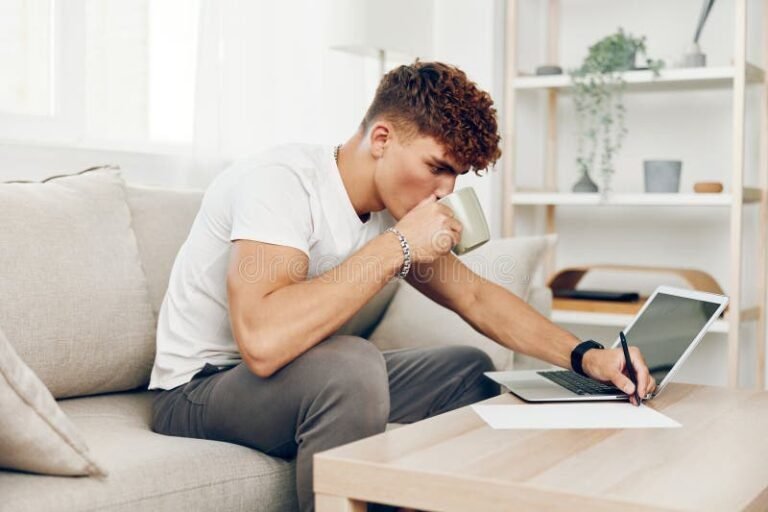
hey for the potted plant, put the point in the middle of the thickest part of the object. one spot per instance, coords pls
(598, 100)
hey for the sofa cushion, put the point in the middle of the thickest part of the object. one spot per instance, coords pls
(35, 435)
(162, 219)
(540, 299)
(367, 318)
(414, 320)
(74, 297)
(149, 471)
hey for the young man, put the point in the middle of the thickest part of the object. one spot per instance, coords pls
(288, 245)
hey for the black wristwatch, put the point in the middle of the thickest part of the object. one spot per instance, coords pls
(577, 354)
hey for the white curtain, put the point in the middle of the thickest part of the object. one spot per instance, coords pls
(265, 76)
(213, 80)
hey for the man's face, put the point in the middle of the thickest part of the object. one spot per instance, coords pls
(408, 172)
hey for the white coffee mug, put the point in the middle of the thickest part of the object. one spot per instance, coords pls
(467, 210)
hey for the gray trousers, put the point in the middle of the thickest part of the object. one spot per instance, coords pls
(341, 390)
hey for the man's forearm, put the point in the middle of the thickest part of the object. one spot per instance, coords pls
(508, 320)
(303, 314)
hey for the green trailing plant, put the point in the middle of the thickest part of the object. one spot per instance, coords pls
(599, 103)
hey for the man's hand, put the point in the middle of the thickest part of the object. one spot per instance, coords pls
(431, 230)
(609, 365)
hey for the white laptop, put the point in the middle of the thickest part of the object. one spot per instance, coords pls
(666, 330)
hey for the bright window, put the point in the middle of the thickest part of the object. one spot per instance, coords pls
(26, 59)
(98, 73)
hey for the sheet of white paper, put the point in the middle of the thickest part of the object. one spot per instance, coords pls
(572, 416)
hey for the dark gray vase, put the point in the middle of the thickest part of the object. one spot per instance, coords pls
(585, 184)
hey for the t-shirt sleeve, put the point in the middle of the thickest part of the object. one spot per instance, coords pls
(271, 205)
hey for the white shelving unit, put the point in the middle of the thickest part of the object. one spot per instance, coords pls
(574, 317)
(621, 320)
(736, 79)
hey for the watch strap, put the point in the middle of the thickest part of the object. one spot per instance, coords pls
(577, 355)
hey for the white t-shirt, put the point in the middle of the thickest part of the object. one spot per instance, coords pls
(290, 195)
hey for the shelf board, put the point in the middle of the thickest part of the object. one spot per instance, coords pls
(561, 316)
(668, 79)
(750, 195)
(612, 319)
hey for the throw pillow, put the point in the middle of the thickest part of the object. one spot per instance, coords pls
(35, 435)
(75, 302)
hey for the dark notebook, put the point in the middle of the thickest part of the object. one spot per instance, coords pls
(597, 295)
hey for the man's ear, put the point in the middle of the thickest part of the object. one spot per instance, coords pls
(380, 136)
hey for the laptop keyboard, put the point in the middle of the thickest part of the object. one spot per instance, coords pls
(579, 384)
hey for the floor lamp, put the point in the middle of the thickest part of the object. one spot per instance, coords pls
(401, 29)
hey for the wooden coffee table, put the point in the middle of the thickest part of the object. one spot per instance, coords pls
(718, 460)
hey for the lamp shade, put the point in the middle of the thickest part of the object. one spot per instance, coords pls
(401, 28)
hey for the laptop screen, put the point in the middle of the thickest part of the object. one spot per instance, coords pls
(666, 328)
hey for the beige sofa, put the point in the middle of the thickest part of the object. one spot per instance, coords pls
(90, 339)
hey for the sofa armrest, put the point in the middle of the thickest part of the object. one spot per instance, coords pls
(540, 299)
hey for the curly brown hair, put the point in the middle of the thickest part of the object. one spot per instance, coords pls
(438, 100)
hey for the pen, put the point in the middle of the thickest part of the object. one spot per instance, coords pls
(630, 368)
